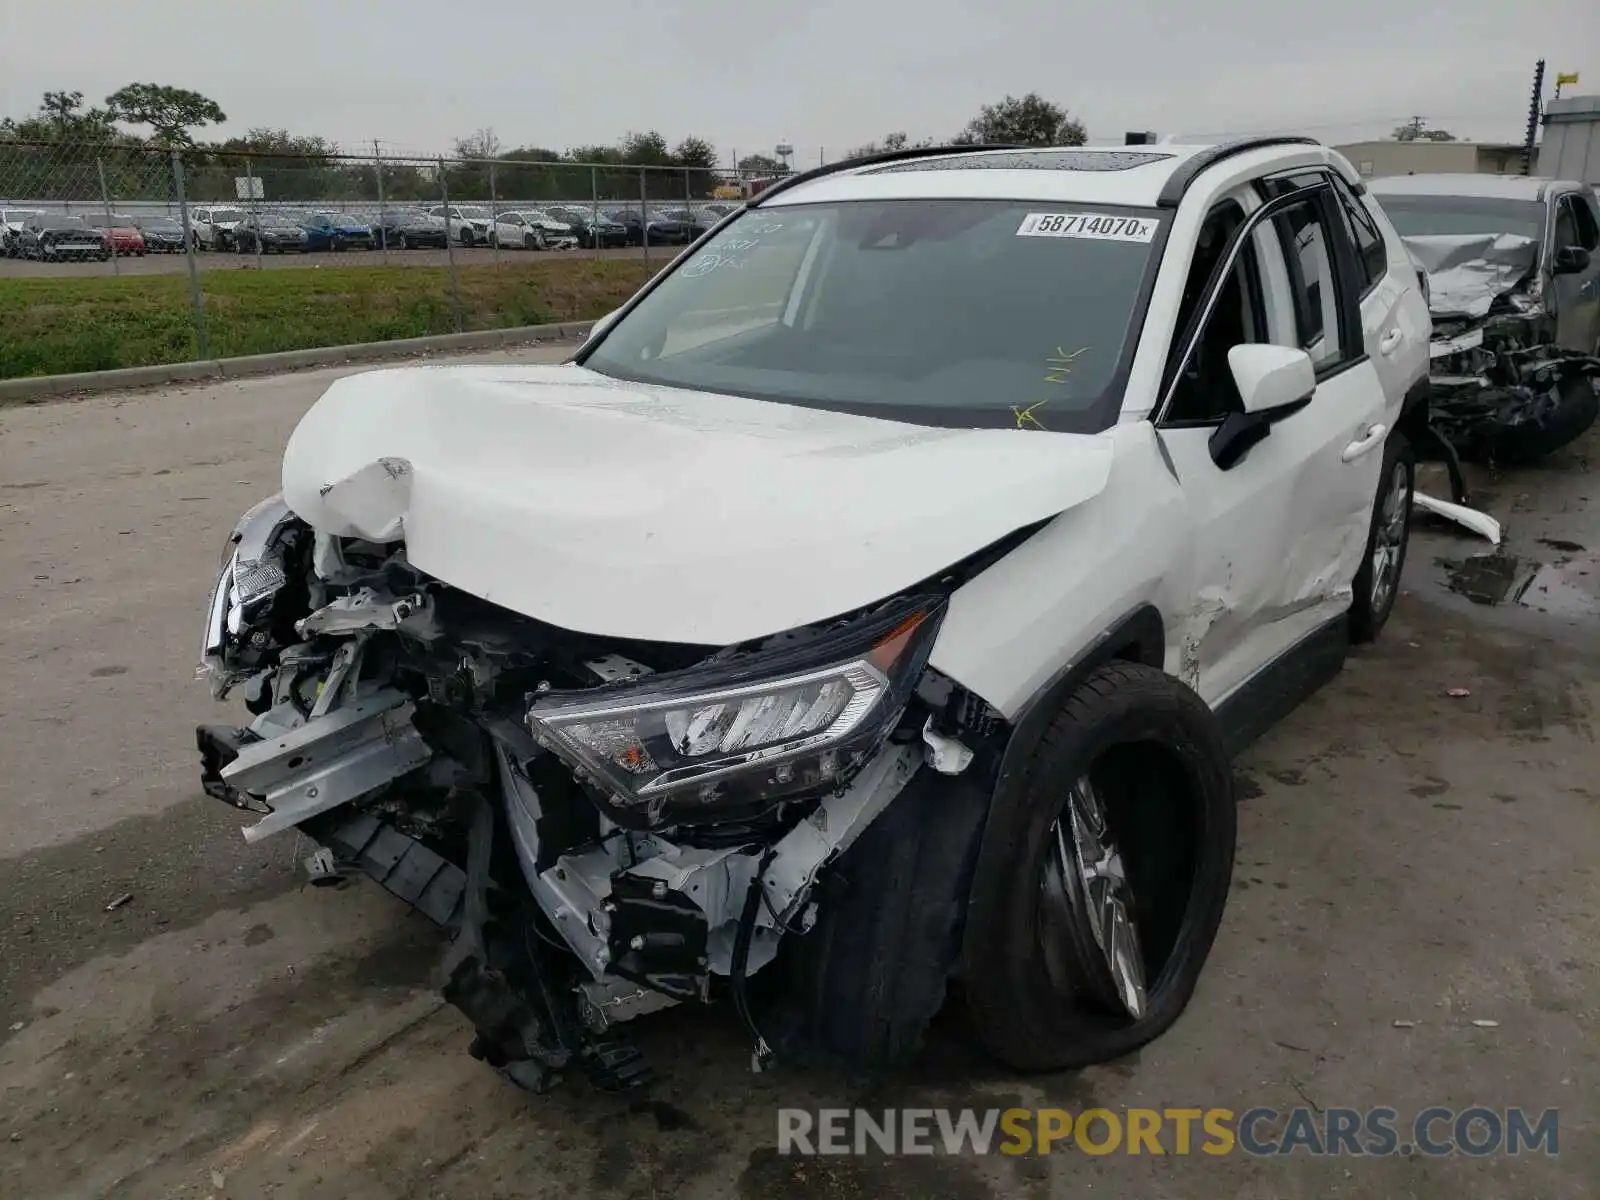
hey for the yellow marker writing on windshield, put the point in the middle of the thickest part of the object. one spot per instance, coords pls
(1025, 416)
(1061, 364)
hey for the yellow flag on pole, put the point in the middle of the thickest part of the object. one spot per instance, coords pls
(1563, 80)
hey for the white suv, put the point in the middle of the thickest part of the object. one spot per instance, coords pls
(883, 590)
(468, 224)
(212, 226)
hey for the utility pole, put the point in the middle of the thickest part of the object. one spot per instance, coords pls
(1533, 118)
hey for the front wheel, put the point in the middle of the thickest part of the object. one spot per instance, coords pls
(1103, 875)
(1377, 582)
(466, 236)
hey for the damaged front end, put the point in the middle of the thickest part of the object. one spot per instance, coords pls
(1501, 388)
(603, 828)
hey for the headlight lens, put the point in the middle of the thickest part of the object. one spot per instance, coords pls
(772, 726)
(252, 574)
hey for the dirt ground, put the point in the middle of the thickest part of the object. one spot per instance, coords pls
(1406, 855)
(177, 264)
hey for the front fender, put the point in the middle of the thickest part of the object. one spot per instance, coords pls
(1039, 610)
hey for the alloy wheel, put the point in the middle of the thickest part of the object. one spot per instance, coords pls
(1389, 538)
(1087, 884)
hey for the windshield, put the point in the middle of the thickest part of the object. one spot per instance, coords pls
(1421, 216)
(162, 225)
(273, 221)
(942, 312)
(474, 214)
(54, 222)
(222, 216)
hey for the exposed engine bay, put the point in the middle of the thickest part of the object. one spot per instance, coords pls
(1502, 389)
(602, 827)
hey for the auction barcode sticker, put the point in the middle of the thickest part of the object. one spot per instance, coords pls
(1102, 226)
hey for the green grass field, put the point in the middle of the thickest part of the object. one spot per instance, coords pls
(54, 326)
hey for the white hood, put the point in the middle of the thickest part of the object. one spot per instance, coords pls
(656, 513)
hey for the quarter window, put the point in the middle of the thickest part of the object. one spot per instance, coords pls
(1372, 256)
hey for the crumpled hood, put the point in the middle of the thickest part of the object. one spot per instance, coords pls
(657, 513)
(1467, 272)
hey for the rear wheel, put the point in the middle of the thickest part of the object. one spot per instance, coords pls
(1377, 582)
(1103, 877)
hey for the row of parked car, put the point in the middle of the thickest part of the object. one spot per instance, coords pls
(48, 236)
(61, 237)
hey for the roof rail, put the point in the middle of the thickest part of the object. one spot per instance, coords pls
(1178, 182)
(886, 156)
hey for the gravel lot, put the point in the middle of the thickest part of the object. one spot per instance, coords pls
(177, 264)
(1405, 855)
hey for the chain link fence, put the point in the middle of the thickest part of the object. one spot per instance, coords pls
(475, 226)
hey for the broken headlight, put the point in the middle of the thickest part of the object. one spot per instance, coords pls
(253, 572)
(755, 729)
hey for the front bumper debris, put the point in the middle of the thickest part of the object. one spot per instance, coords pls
(1521, 404)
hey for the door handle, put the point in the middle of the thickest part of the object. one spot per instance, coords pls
(1371, 439)
(1389, 342)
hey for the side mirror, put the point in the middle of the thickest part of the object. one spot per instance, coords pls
(1570, 260)
(1273, 383)
(1270, 378)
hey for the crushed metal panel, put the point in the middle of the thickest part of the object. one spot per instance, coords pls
(370, 503)
(1467, 273)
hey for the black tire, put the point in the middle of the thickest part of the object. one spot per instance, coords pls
(405, 242)
(1155, 753)
(1387, 541)
(466, 238)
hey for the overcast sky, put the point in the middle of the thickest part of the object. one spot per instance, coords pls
(823, 75)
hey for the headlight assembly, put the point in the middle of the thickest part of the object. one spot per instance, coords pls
(755, 730)
(252, 574)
